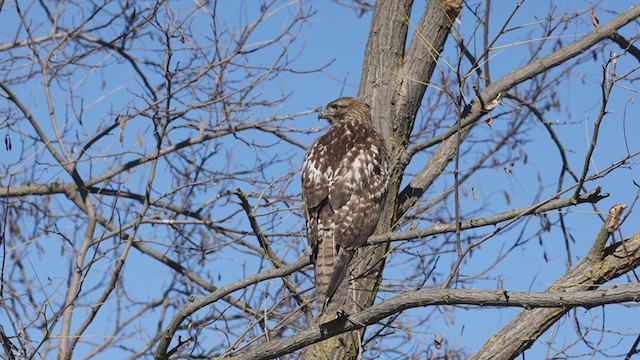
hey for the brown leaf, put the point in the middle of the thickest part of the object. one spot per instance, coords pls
(489, 120)
(437, 342)
(123, 123)
(507, 197)
(594, 18)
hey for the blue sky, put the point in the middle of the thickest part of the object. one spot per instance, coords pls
(335, 36)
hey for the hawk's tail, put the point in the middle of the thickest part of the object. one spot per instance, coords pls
(340, 270)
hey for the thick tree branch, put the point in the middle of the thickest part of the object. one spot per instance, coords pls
(545, 301)
(383, 58)
(529, 325)
(625, 45)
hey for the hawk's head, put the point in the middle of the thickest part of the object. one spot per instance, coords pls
(346, 108)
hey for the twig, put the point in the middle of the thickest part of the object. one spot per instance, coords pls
(625, 45)
(178, 345)
(7, 345)
(607, 86)
(634, 349)
(264, 242)
(197, 304)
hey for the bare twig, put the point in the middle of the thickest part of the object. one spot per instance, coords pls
(264, 243)
(197, 304)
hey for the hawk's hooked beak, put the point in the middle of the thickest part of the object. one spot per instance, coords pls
(325, 114)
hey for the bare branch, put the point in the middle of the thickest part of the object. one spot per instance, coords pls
(196, 304)
(522, 331)
(546, 301)
(445, 152)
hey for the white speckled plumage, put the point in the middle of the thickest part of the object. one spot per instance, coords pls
(344, 185)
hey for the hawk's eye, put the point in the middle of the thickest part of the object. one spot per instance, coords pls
(333, 106)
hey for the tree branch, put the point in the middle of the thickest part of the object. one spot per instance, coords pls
(529, 300)
(592, 196)
(475, 110)
(196, 304)
(529, 325)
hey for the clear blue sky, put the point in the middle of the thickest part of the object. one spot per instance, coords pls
(336, 36)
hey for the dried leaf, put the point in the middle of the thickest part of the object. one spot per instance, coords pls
(437, 342)
(493, 103)
(7, 142)
(475, 194)
(525, 157)
(594, 18)
(15, 229)
(140, 141)
(489, 120)
(507, 197)
(123, 123)
(546, 224)
(508, 170)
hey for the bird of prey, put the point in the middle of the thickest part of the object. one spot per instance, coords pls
(345, 179)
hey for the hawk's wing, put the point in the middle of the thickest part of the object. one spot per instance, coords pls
(359, 189)
(356, 195)
(344, 182)
(316, 180)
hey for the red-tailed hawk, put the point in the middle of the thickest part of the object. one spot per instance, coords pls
(344, 185)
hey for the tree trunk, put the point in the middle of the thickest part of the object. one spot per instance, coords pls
(393, 83)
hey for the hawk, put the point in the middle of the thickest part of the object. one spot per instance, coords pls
(345, 177)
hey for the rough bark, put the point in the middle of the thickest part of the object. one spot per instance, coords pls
(393, 83)
(589, 274)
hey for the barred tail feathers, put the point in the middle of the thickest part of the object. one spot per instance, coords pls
(324, 263)
(340, 271)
